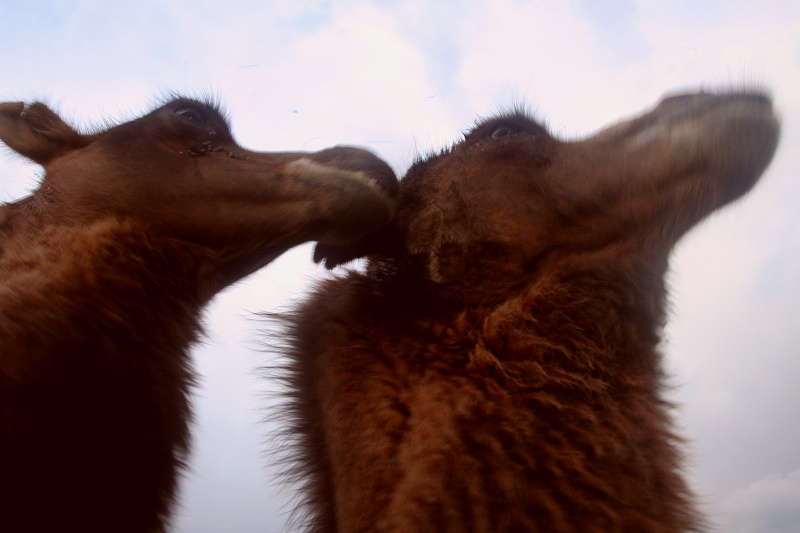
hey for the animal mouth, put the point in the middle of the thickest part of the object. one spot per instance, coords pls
(327, 173)
(687, 118)
(343, 166)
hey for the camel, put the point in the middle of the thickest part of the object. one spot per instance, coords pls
(104, 272)
(496, 367)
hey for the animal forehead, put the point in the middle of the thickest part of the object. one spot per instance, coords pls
(211, 110)
(204, 110)
(209, 104)
(181, 111)
(517, 120)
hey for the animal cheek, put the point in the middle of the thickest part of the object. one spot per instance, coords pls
(440, 245)
(421, 234)
(447, 262)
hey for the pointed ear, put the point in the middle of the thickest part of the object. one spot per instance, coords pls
(36, 132)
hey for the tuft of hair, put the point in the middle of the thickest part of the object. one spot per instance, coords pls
(282, 416)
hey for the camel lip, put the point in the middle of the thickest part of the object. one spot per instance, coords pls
(680, 109)
(349, 162)
(329, 173)
(728, 131)
(755, 107)
(701, 101)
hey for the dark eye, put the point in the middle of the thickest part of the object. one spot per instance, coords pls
(502, 131)
(189, 113)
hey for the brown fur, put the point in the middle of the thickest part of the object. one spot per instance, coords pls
(496, 369)
(104, 271)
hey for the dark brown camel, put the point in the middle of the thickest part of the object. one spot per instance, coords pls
(497, 367)
(104, 271)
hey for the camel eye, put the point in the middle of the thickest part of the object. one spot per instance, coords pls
(502, 131)
(189, 113)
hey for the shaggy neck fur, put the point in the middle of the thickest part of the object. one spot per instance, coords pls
(120, 308)
(561, 376)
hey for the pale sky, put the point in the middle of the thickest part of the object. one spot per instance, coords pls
(406, 77)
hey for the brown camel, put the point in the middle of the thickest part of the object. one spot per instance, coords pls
(104, 272)
(496, 369)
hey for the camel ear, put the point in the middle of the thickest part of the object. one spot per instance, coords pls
(36, 132)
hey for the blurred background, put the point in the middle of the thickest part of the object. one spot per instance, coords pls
(404, 78)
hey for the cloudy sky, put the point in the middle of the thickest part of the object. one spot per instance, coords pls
(404, 77)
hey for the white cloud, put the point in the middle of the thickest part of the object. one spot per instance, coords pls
(358, 66)
(770, 505)
(406, 76)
